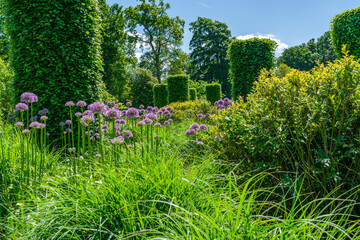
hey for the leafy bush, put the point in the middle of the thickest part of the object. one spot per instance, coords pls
(192, 94)
(141, 85)
(5, 89)
(305, 122)
(190, 109)
(200, 87)
(213, 92)
(247, 58)
(160, 95)
(178, 88)
(345, 30)
(55, 49)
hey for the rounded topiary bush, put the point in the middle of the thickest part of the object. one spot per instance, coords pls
(247, 58)
(160, 95)
(178, 88)
(213, 92)
(192, 94)
(345, 30)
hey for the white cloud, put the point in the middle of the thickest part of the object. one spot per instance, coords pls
(138, 55)
(204, 5)
(280, 48)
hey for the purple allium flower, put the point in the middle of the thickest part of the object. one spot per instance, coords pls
(170, 120)
(203, 127)
(117, 127)
(68, 122)
(64, 132)
(148, 120)
(118, 140)
(33, 124)
(200, 143)
(26, 131)
(85, 124)
(21, 107)
(117, 132)
(200, 115)
(44, 111)
(149, 108)
(97, 107)
(88, 113)
(220, 102)
(97, 135)
(132, 113)
(128, 104)
(157, 124)
(152, 116)
(86, 132)
(105, 126)
(78, 114)
(1, 132)
(68, 130)
(140, 124)
(87, 119)
(92, 138)
(141, 106)
(122, 122)
(113, 113)
(142, 111)
(47, 134)
(69, 104)
(111, 103)
(98, 155)
(81, 104)
(207, 115)
(44, 118)
(127, 133)
(167, 114)
(162, 110)
(156, 137)
(19, 124)
(28, 97)
(190, 132)
(169, 109)
(166, 123)
(105, 131)
(62, 124)
(155, 109)
(34, 119)
(195, 126)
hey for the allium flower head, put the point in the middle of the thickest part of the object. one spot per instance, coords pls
(157, 124)
(156, 137)
(69, 104)
(190, 132)
(33, 124)
(98, 155)
(140, 124)
(97, 135)
(44, 111)
(128, 104)
(81, 104)
(97, 107)
(87, 119)
(141, 106)
(68, 130)
(113, 113)
(127, 133)
(200, 143)
(62, 124)
(152, 116)
(148, 120)
(207, 115)
(68, 122)
(166, 123)
(44, 118)
(41, 126)
(155, 109)
(167, 114)
(118, 140)
(200, 115)
(149, 108)
(132, 113)
(162, 110)
(105, 126)
(88, 113)
(19, 124)
(120, 121)
(169, 109)
(28, 97)
(203, 127)
(111, 103)
(26, 131)
(21, 107)
(195, 126)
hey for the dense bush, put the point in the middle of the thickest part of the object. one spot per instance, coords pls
(305, 122)
(191, 109)
(178, 88)
(247, 58)
(141, 85)
(213, 92)
(345, 30)
(55, 49)
(192, 94)
(160, 95)
(5, 90)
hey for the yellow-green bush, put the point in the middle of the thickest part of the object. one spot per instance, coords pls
(190, 109)
(306, 122)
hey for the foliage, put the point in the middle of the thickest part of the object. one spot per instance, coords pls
(162, 35)
(160, 95)
(192, 94)
(200, 87)
(6, 92)
(191, 109)
(178, 88)
(345, 30)
(178, 61)
(4, 38)
(305, 123)
(213, 92)
(55, 49)
(141, 85)
(282, 70)
(247, 58)
(208, 47)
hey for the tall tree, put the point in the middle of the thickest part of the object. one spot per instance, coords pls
(161, 35)
(209, 48)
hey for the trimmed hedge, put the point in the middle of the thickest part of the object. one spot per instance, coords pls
(178, 88)
(55, 53)
(213, 92)
(345, 30)
(247, 58)
(192, 94)
(160, 95)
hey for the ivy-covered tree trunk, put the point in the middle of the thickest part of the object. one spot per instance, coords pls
(55, 52)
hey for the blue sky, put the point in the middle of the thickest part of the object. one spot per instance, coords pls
(289, 22)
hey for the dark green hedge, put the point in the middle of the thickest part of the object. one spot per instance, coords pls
(213, 92)
(160, 95)
(247, 58)
(178, 88)
(55, 52)
(345, 29)
(192, 94)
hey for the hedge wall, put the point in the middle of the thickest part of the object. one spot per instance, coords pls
(55, 52)
(160, 95)
(345, 29)
(247, 58)
(213, 92)
(192, 94)
(178, 88)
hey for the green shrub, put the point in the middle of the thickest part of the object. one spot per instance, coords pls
(5, 89)
(141, 85)
(191, 109)
(247, 58)
(192, 94)
(160, 95)
(55, 49)
(306, 123)
(345, 30)
(213, 92)
(178, 88)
